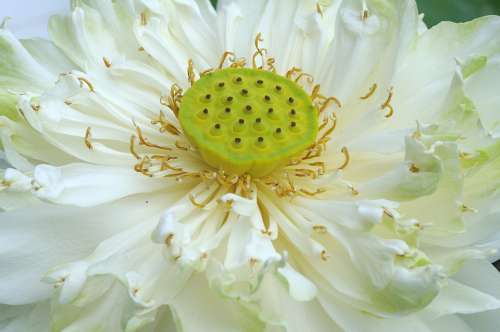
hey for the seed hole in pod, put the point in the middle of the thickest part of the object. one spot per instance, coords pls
(229, 99)
(291, 100)
(293, 124)
(227, 110)
(278, 133)
(260, 82)
(239, 126)
(258, 120)
(208, 97)
(260, 139)
(204, 114)
(270, 111)
(221, 84)
(278, 88)
(267, 98)
(248, 109)
(238, 80)
(293, 112)
(244, 92)
(238, 143)
(216, 130)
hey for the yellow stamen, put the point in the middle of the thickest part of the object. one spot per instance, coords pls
(207, 200)
(414, 168)
(259, 51)
(319, 10)
(347, 157)
(225, 56)
(87, 83)
(190, 71)
(88, 137)
(370, 93)
(328, 102)
(320, 229)
(107, 63)
(169, 239)
(132, 147)
(144, 19)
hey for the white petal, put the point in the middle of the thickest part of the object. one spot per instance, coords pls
(449, 323)
(208, 311)
(456, 298)
(482, 276)
(301, 289)
(18, 69)
(88, 185)
(25, 318)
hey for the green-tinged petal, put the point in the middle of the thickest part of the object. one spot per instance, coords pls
(482, 89)
(8, 107)
(350, 319)
(440, 210)
(432, 62)
(19, 71)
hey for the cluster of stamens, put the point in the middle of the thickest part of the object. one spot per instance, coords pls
(250, 125)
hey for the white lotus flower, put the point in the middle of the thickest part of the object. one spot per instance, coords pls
(266, 166)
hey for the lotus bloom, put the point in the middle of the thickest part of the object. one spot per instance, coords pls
(265, 166)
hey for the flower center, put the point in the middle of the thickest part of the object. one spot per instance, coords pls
(246, 120)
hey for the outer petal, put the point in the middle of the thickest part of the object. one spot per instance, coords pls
(350, 319)
(482, 276)
(18, 69)
(25, 318)
(33, 243)
(198, 308)
(431, 65)
(456, 298)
